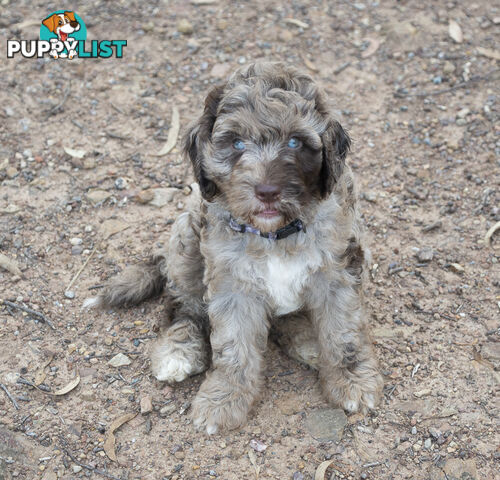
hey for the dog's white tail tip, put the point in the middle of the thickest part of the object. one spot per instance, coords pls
(91, 302)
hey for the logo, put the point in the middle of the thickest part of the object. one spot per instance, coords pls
(63, 34)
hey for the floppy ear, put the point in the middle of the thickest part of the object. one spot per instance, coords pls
(336, 145)
(197, 138)
(51, 22)
(71, 16)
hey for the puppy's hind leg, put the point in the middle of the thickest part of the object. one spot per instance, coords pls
(296, 335)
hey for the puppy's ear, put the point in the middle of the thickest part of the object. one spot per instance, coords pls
(197, 139)
(51, 22)
(71, 16)
(336, 145)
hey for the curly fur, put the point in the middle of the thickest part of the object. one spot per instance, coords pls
(227, 290)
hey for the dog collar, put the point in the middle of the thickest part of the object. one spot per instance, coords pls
(283, 232)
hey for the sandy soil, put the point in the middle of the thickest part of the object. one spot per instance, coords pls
(421, 108)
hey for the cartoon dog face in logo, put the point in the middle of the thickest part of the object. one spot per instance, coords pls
(62, 24)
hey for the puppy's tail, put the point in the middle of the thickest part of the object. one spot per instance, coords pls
(132, 286)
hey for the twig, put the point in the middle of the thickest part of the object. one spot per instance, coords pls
(58, 107)
(41, 316)
(341, 68)
(89, 467)
(474, 79)
(11, 398)
(81, 270)
(118, 109)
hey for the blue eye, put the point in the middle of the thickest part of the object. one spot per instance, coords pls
(239, 145)
(294, 143)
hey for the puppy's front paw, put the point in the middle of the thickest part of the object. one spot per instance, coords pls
(354, 393)
(219, 405)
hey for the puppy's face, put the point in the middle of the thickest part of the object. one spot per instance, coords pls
(265, 147)
(62, 24)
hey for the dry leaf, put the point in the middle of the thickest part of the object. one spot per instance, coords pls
(323, 467)
(297, 23)
(40, 375)
(173, 133)
(479, 359)
(109, 444)
(309, 64)
(488, 52)
(75, 153)
(70, 386)
(253, 461)
(373, 44)
(490, 232)
(455, 31)
(10, 265)
(112, 226)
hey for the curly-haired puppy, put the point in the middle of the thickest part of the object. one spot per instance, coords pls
(273, 244)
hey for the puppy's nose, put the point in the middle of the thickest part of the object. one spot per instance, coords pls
(267, 193)
(74, 24)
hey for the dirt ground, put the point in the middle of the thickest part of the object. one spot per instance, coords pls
(421, 108)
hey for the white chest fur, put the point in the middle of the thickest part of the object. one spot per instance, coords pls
(284, 279)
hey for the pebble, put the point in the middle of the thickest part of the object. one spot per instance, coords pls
(463, 113)
(120, 183)
(146, 405)
(167, 410)
(448, 67)
(76, 250)
(11, 172)
(77, 469)
(97, 196)
(119, 360)
(425, 255)
(326, 424)
(75, 241)
(69, 294)
(298, 476)
(457, 268)
(185, 27)
(428, 443)
(413, 430)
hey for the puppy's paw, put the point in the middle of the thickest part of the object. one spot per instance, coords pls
(171, 368)
(220, 406)
(354, 393)
(177, 355)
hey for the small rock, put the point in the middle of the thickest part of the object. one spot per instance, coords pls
(326, 424)
(88, 163)
(457, 268)
(146, 405)
(69, 294)
(75, 241)
(428, 443)
(97, 196)
(167, 410)
(145, 196)
(77, 469)
(425, 255)
(11, 172)
(298, 476)
(119, 360)
(162, 196)
(370, 197)
(220, 70)
(193, 45)
(185, 27)
(76, 250)
(448, 67)
(413, 430)
(120, 183)
(463, 113)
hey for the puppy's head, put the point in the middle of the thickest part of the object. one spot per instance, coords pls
(266, 147)
(62, 24)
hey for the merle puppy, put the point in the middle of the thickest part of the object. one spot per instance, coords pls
(272, 245)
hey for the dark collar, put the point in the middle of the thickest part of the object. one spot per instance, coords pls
(283, 232)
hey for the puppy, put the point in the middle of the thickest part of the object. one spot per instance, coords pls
(62, 24)
(272, 246)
